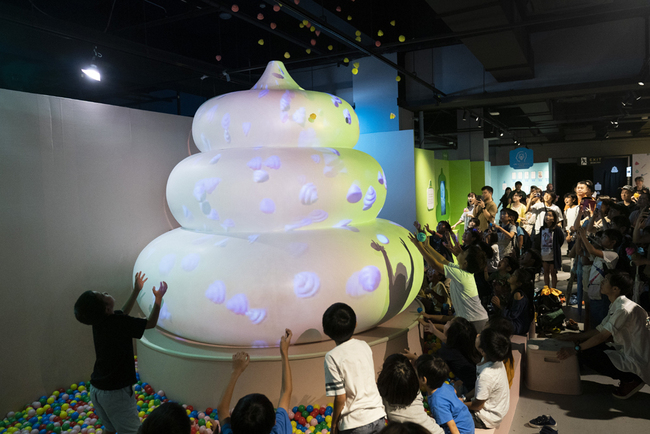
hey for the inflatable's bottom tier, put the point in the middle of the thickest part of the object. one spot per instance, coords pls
(245, 289)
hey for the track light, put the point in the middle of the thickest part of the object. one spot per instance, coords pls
(92, 71)
(641, 83)
(464, 115)
(501, 134)
(476, 119)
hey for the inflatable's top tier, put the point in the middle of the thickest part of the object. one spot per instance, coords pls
(276, 112)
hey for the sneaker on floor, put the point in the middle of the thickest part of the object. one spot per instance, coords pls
(628, 388)
(542, 421)
(548, 430)
(573, 299)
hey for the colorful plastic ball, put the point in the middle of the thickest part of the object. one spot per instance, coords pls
(402, 38)
(355, 71)
(73, 387)
(330, 47)
(398, 78)
(261, 42)
(287, 55)
(322, 410)
(234, 8)
(309, 419)
(308, 51)
(273, 26)
(218, 57)
(295, 409)
(276, 8)
(291, 414)
(81, 388)
(313, 42)
(328, 419)
(377, 43)
(301, 420)
(260, 16)
(313, 422)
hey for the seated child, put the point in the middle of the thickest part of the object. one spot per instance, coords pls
(492, 394)
(518, 308)
(404, 428)
(507, 266)
(350, 376)
(114, 373)
(254, 412)
(400, 389)
(445, 406)
(167, 418)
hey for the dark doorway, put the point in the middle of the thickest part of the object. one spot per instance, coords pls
(611, 175)
(567, 176)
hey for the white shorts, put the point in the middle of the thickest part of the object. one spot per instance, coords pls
(117, 409)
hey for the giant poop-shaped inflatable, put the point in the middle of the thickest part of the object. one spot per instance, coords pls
(278, 217)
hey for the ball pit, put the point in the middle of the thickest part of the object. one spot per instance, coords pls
(71, 411)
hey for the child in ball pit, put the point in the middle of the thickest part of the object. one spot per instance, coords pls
(114, 372)
(254, 412)
(350, 376)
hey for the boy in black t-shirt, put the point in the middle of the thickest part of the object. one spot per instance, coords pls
(114, 372)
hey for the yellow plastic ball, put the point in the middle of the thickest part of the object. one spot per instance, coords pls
(73, 387)
(82, 388)
(316, 407)
(346, 60)
(312, 28)
(402, 38)
(357, 33)
(65, 406)
(309, 418)
(312, 428)
(56, 393)
(187, 411)
(301, 25)
(305, 22)
(398, 78)
(141, 414)
(328, 419)
(261, 42)
(355, 71)
(294, 423)
(330, 47)
(40, 411)
(308, 50)
(50, 400)
(355, 64)
(380, 33)
(392, 23)
(358, 39)
(287, 55)
(349, 18)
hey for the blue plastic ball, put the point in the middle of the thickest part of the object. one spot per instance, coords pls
(419, 310)
(295, 409)
(310, 408)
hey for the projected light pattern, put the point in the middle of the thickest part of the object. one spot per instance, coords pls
(278, 219)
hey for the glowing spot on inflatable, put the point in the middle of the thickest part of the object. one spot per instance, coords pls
(166, 264)
(273, 162)
(369, 199)
(308, 194)
(260, 176)
(190, 262)
(238, 304)
(382, 239)
(267, 206)
(216, 292)
(306, 284)
(215, 159)
(255, 163)
(318, 215)
(256, 315)
(354, 194)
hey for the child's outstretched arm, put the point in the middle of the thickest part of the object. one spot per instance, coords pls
(153, 316)
(239, 364)
(287, 384)
(453, 429)
(137, 287)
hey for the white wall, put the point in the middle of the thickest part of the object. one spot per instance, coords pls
(83, 191)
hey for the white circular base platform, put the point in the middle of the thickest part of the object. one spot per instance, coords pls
(195, 373)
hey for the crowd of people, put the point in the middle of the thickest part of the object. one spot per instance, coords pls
(478, 292)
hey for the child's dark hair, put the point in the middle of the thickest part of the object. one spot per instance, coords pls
(404, 428)
(339, 322)
(491, 238)
(621, 280)
(167, 418)
(511, 262)
(615, 235)
(461, 336)
(446, 225)
(622, 222)
(253, 413)
(89, 309)
(434, 369)
(475, 257)
(398, 382)
(494, 344)
(552, 194)
(476, 222)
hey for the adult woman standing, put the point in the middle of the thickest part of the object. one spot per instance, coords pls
(468, 212)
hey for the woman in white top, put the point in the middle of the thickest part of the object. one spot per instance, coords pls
(627, 325)
(400, 389)
(462, 289)
(468, 212)
(571, 210)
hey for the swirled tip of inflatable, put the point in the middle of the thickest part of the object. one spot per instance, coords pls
(276, 77)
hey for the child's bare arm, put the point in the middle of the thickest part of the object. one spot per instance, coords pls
(153, 316)
(287, 384)
(452, 427)
(339, 403)
(137, 287)
(476, 404)
(239, 364)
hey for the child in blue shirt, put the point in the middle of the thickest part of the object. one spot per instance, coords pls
(447, 409)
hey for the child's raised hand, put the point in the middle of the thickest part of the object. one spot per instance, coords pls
(160, 292)
(139, 281)
(240, 361)
(285, 341)
(417, 226)
(409, 355)
(496, 301)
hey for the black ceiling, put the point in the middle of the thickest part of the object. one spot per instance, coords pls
(153, 50)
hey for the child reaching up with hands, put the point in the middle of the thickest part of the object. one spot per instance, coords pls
(254, 412)
(114, 371)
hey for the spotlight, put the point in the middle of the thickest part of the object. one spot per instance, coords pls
(501, 134)
(476, 119)
(641, 83)
(92, 72)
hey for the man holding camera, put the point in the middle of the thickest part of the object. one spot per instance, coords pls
(485, 209)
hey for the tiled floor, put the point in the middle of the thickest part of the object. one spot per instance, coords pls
(595, 411)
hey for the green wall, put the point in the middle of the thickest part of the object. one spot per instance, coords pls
(460, 176)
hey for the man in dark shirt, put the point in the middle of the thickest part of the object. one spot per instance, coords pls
(114, 372)
(518, 190)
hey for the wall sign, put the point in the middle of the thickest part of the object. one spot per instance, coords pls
(521, 158)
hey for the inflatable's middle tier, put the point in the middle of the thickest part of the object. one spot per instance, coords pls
(276, 189)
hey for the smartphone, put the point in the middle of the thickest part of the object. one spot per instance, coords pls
(598, 204)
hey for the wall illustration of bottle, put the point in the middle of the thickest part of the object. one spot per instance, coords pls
(430, 197)
(278, 220)
(442, 184)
